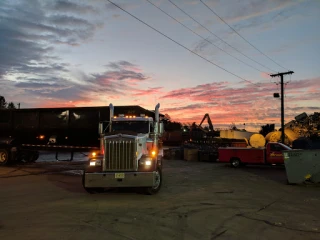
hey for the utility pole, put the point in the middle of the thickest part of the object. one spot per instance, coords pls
(282, 100)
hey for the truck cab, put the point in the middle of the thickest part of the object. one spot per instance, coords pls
(274, 154)
(130, 155)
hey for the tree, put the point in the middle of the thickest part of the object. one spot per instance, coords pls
(3, 103)
(265, 129)
(11, 105)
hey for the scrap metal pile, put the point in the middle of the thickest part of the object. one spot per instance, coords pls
(306, 126)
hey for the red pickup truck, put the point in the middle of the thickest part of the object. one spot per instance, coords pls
(236, 156)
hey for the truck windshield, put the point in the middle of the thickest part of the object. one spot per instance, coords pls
(138, 127)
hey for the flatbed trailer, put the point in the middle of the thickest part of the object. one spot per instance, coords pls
(25, 132)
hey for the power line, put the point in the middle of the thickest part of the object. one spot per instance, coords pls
(181, 44)
(203, 37)
(219, 37)
(240, 35)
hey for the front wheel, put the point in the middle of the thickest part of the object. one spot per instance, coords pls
(4, 157)
(157, 183)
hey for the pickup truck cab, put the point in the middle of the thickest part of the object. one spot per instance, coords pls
(236, 156)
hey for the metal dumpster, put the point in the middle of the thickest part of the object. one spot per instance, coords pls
(302, 165)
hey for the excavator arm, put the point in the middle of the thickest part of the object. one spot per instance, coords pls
(206, 116)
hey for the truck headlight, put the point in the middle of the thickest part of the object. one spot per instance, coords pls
(95, 163)
(145, 162)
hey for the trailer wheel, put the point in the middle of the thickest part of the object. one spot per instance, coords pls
(32, 156)
(156, 187)
(4, 157)
(235, 162)
(91, 190)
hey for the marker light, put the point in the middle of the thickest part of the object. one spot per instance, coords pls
(153, 153)
(41, 136)
(93, 154)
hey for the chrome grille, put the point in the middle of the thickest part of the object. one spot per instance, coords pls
(120, 155)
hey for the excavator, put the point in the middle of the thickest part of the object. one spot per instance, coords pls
(198, 132)
(209, 122)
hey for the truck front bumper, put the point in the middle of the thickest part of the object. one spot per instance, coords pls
(112, 179)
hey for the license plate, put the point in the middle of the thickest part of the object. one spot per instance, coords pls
(119, 175)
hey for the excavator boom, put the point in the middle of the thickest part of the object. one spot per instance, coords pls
(206, 116)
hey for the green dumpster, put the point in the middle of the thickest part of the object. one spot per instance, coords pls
(302, 165)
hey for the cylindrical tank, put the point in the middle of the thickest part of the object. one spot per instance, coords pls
(273, 136)
(257, 140)
(291, 135)
(235, 134)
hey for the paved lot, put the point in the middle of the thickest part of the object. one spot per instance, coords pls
(198, 201)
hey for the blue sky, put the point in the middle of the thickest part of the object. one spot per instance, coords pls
(90, 53)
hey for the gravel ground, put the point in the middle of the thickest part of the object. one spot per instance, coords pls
(197, 201)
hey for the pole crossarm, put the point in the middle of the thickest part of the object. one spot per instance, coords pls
(281, 74)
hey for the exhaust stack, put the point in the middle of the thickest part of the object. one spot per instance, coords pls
(156, 125)
(111, 107)
(157, 112)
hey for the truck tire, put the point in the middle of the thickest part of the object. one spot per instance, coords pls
(235, 162)
(32, 156)
(90, 190)
(4, 156)
(154, 189)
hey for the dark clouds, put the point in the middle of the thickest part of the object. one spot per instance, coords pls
(29, 31)
(117, 79)
(71, 7)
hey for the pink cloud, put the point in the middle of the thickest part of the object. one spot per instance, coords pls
(250, 104)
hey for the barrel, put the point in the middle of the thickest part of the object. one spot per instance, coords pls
(257, 140)
(273, 136)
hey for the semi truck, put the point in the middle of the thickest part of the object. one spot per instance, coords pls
(237, 156)
(25, 132)
(130, 154)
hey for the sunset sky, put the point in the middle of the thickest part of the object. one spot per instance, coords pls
(56, 53)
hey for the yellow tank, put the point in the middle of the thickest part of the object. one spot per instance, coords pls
(290, 134)
(257, 140)
(273, 136)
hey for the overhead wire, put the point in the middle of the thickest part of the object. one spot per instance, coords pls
(219, 37)
(203, 37)
(181, 45)
(241, 35)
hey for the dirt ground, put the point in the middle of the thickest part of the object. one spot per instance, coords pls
(198, 200)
